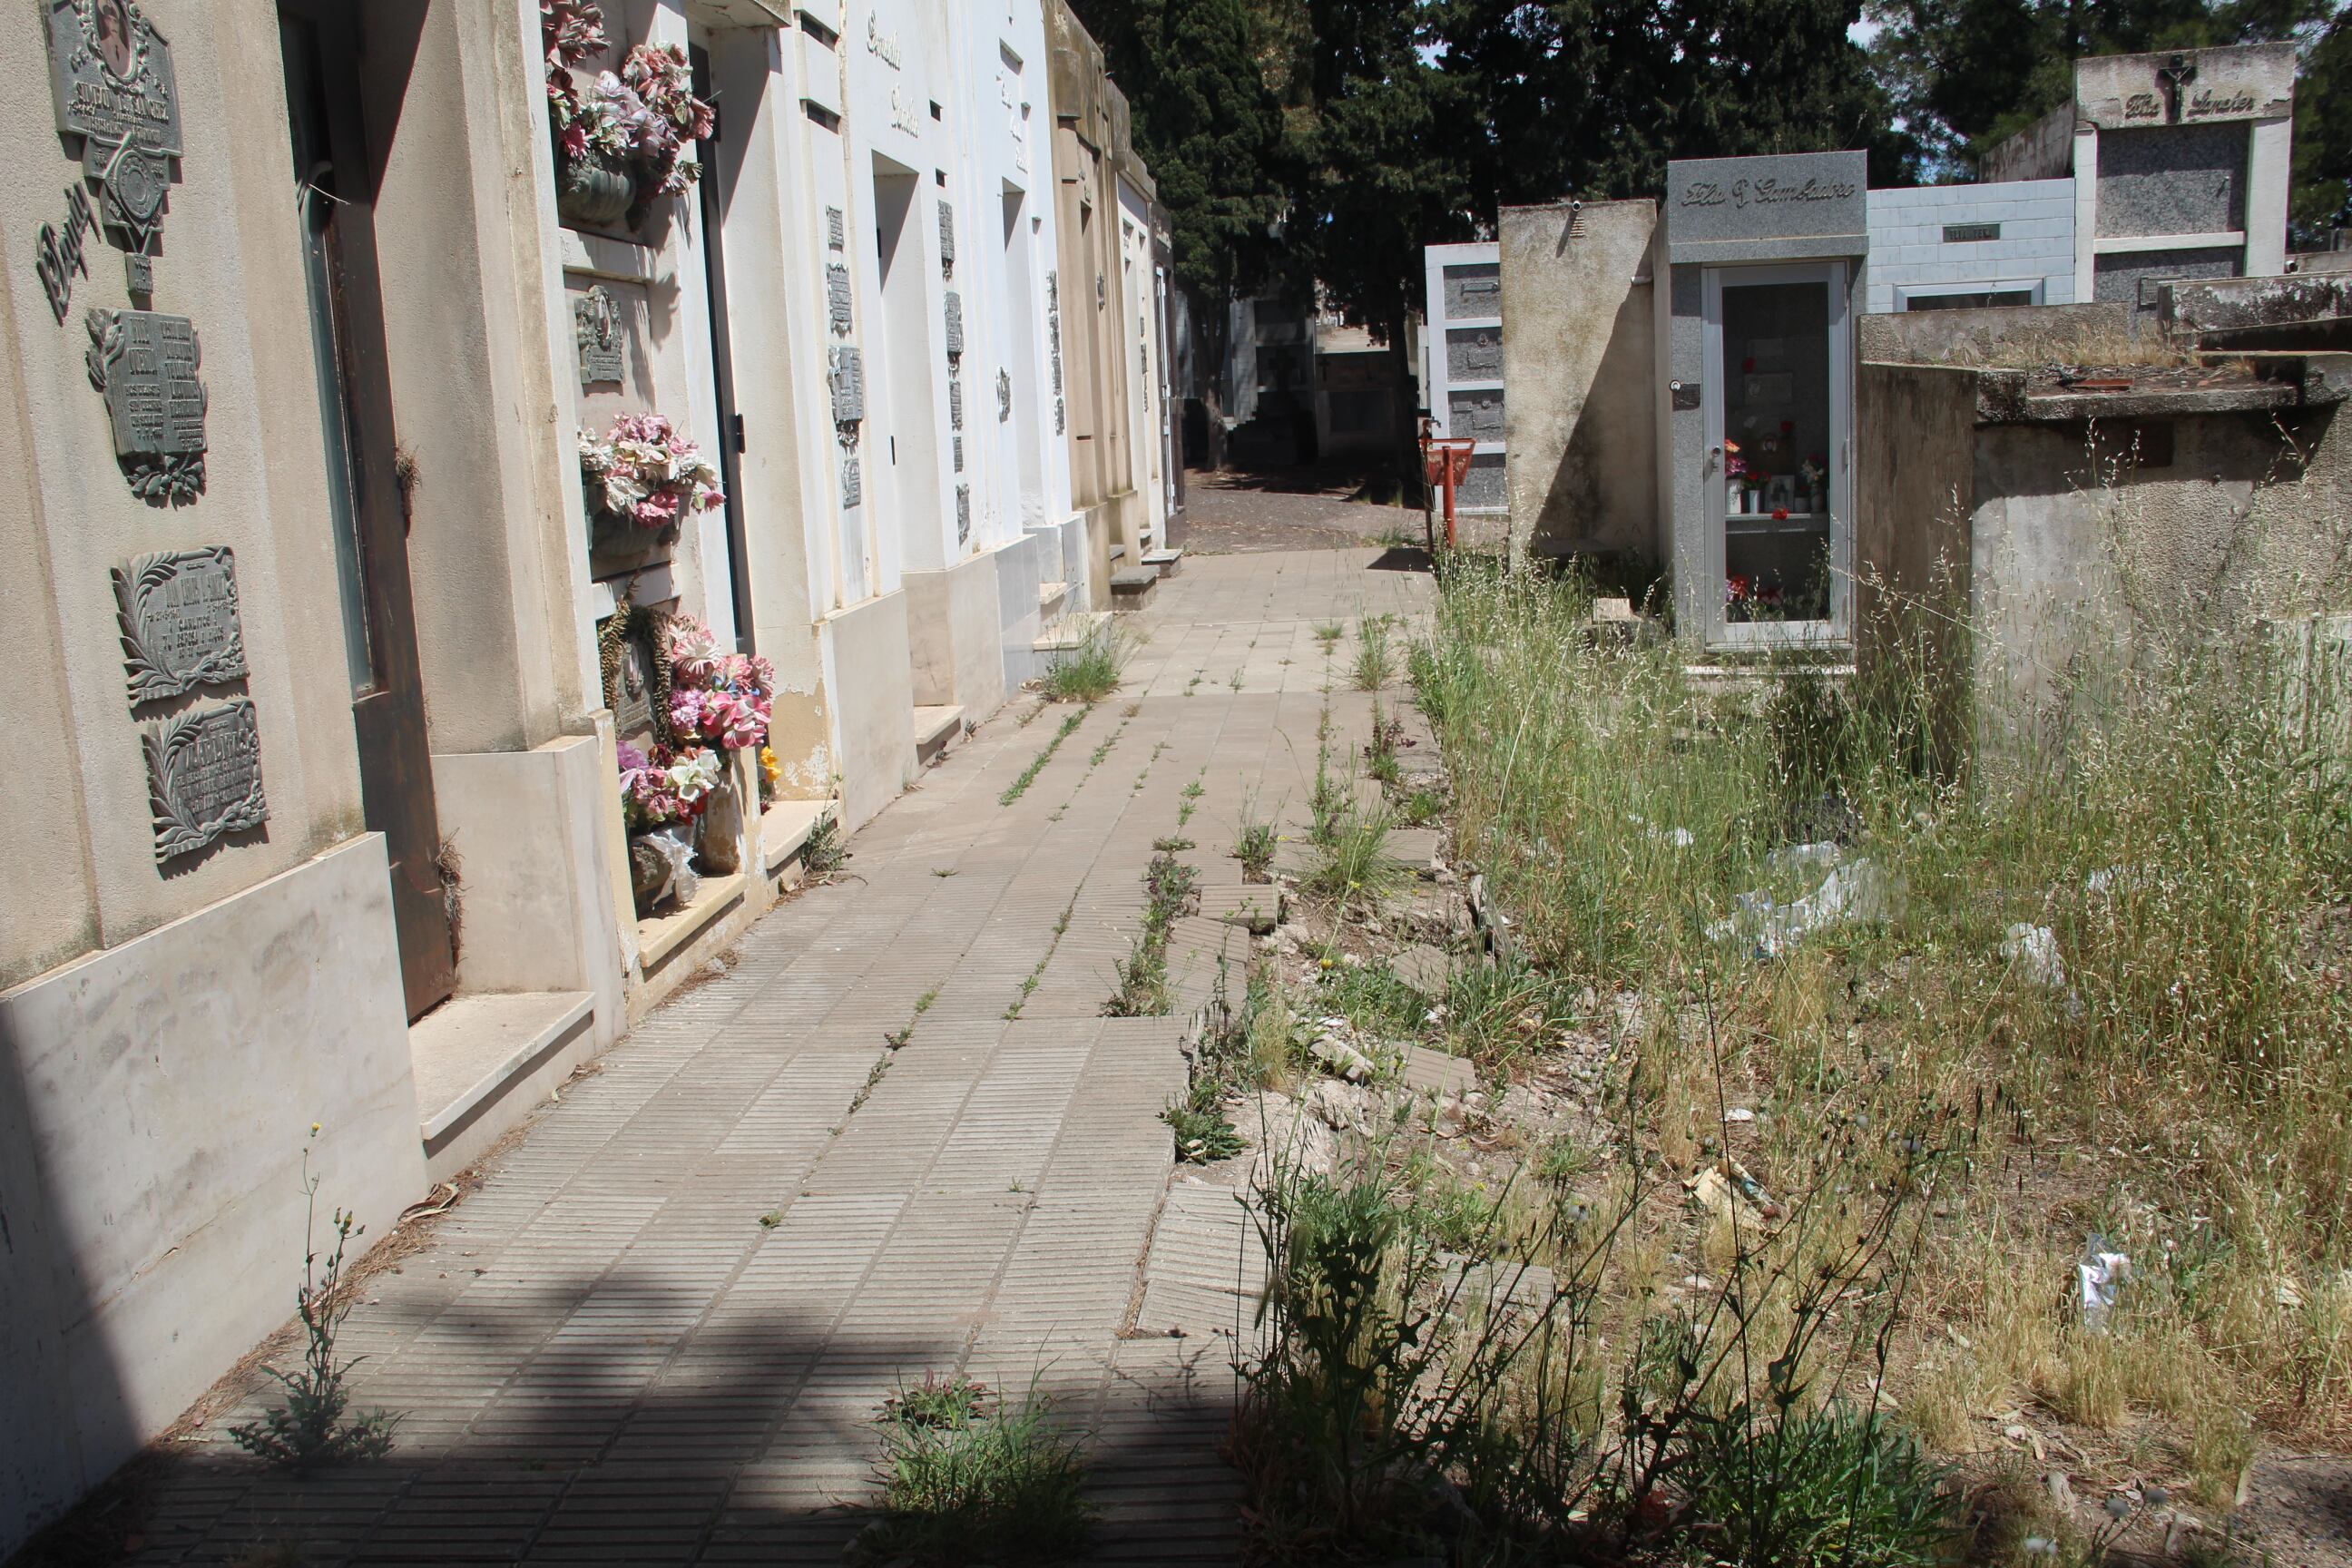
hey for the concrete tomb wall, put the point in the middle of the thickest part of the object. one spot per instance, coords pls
(1579, 364)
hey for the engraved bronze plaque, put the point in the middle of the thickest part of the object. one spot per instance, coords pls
(836, 298)
(204, 777)
(110, 79)
(848, 381)
(596, 324)
(178, 613)
(955, 325)
(146, 364)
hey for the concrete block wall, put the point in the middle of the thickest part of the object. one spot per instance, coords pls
(1908, 250)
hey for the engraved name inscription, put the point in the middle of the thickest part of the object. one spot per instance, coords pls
(178, 613)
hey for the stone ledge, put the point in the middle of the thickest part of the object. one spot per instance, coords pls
(660, 937)
(784, 829)
(470, 1051)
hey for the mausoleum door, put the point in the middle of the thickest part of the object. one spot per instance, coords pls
(366, 497)
(1778, 380)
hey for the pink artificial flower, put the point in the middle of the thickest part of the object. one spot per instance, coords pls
(658, 510)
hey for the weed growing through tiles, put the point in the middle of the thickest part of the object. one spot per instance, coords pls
(1089, 672)
(1171, 888)
(314, 1424)
(1376, 658)
(826, 848)
(1020, 786)
(968, 1476)
(1035, 976)
(1253, 848)
(1328, 634)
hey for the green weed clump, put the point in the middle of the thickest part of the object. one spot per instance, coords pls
(1376, 659)
(968, 1477)
(314, 1424)
(1171, 889)
(1089, 672)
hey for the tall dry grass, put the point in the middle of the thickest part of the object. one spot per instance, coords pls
(2182, 1091)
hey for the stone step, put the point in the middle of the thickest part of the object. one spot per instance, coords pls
(936, 729)
(1132, 590)
(1167, 562)
(482, 1063)
(1066, 633)
(1050, 599)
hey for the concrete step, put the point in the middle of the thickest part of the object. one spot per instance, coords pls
(1167, 562)
(482, 1063)
(1132, 590)
(936, 729)
(1066, 633)
(1051, 596)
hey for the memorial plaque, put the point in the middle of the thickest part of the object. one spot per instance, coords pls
(1476, 415)
(596, 322)
(1053, 338)
(836, 298)
(959, 454)
(955, 402)
(947, 238)
(1971, 233)
(111, 82)
(1474, 353)
(1061, 416)
(1805, 204)
(146, 364)
(836, 230)
(1474, 291)
(204, 777)
(632, 702)
(853, 484)
(848, 381)
(1004, 395)
(955, 325)
(963, 513)
(178, 613)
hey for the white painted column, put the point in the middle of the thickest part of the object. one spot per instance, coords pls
(2087, 210)
(2270, 149)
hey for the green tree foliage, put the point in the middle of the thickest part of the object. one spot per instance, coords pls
(1208, 124)
(2323, 136)
(1964, 74)
(1590, 97)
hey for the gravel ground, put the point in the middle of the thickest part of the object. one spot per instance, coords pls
(1231, 514)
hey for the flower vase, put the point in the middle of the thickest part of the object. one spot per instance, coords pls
(589, 194)
(719, 831)
(661, 867)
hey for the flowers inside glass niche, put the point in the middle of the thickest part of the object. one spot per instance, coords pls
(667, 784)
(716, 696)
(637, 121)
(644, 472)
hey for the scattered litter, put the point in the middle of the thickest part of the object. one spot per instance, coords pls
(1739, 1113)
(1791, 856)
(2101, 1275)
(1728, 1192)
(1854, 890)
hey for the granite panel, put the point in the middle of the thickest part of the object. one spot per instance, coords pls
(2172, 179)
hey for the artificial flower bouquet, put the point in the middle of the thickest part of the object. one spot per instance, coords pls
(640, 118)
(644, 472)
(669, 784)
(716, 696)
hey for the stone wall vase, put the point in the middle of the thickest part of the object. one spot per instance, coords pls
(589, 194)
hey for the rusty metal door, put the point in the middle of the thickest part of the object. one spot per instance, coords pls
(368, 482)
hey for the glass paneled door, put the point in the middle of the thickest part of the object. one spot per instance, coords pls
(1779, 372)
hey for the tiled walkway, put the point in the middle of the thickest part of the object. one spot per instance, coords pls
(659, 1330)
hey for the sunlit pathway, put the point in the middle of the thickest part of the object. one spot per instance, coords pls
(660, 1330)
